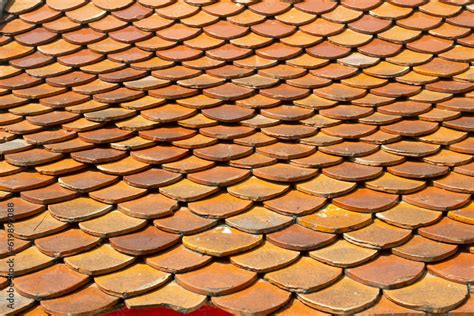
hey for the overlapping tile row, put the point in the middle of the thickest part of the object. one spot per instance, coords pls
(265, 157)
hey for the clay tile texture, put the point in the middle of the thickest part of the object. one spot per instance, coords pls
(247, 157)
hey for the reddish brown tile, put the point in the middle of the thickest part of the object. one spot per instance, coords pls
(392, 272)
(297, 237)
(450, 231)
(284, 173)
(248, 300)
(216, 279)
(184, 222)
(457, 269)
(32, 157)
(437, 199)
(146, 241)
(38, 36)
(100, 260)
(87, 300)
(365, 200)
(150, 206)
(47, 195)
(98, 155)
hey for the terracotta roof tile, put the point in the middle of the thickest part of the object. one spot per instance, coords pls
(31, 260)
(184, 222)
(202, 281)
(248, 299)
(111, 224)
(171, 295)
(329, 298)
(343, 254)
(101, 260)
(324, 275)
(411, 296)
(88, 300)
(119, 284)
(265, 132)
(66, 243)
(398, 272)
(37, 285)
(23, 304)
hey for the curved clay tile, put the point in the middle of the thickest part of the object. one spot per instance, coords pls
(290, 157)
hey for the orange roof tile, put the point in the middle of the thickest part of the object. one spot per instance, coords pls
(297, 157)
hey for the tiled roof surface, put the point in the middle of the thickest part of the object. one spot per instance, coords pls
(269, 156)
